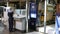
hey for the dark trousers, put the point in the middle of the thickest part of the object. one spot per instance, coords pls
(10, 21)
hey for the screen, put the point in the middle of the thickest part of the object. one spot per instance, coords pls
(17, 11)
(33, 15)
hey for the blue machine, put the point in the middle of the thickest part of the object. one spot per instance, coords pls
(33, 11)
(33, 16)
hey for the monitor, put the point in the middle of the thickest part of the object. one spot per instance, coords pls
(33, 15)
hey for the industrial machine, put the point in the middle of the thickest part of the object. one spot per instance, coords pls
(1, 16)
(33, 16)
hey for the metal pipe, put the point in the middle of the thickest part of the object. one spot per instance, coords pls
(45, 16)
(26, 15)
(7, 3)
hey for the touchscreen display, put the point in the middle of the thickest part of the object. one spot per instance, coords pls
(33, 15)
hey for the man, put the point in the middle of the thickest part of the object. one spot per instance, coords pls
(57, 24)
(10, 15)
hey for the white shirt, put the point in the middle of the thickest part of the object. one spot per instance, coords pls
(8, 9)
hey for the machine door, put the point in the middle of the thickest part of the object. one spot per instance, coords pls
(1, 12)
(1, 22)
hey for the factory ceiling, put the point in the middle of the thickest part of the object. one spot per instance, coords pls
(21, 0)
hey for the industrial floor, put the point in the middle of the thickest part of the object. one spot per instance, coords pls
(5, 30)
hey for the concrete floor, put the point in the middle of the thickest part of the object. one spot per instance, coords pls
(48, 29)
(5, 30)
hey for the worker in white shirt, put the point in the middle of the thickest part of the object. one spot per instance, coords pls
(57, 24)
(10, 15)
